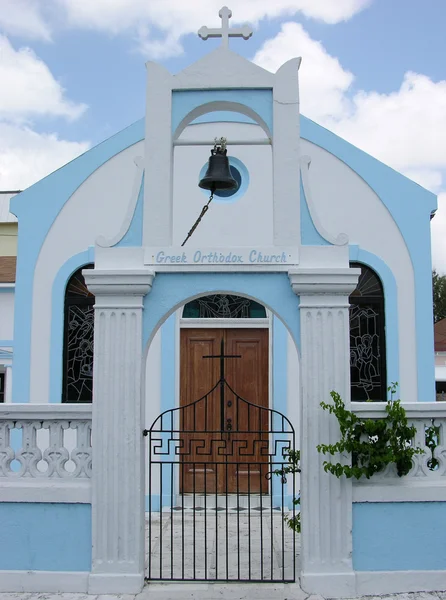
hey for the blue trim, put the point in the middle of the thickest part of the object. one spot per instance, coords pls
(6, 355)
(7, 343)
(7, 290)
(45, 537)
(310, 236)
(260, 101)
(133, 235)
(411, 207)
(280, 399)
(391, 307)
(168, 371)
(37, 209)
(235, 162)
(399, 536)
(57, 322)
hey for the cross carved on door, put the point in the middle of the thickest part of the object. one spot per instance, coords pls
(222, 357)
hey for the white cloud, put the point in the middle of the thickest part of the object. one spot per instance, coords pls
(428, 178)
(322, 80)
(24, 18)
(404, 128)
(28, 88)
(175, 18)
(28, 92)
(27, 156)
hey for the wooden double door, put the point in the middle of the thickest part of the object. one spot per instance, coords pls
(224, 425)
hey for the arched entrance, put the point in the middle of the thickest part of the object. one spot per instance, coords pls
(217, 503)
(131, 304)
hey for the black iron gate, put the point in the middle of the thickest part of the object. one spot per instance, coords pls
(217, 505)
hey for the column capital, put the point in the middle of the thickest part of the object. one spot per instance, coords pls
(316, 282)
(119, 282)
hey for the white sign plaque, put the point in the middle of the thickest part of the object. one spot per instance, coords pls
(271, 256)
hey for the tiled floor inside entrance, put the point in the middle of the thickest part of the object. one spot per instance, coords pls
(221, 545)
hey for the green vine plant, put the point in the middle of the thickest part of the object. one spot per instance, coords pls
(373, 444)
(292, 466)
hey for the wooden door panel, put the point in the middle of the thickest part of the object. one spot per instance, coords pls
(235, 459)
(198, 376)
(248, 377)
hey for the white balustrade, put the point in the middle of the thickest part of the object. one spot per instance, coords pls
(426, 481)
(45, 441)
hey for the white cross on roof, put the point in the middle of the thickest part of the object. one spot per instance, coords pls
(225, 32)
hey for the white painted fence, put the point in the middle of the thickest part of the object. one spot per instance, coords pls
(426, 481)
(45, 452)
(46, 455)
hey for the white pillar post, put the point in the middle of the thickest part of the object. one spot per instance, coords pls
(118, 494)
(326, 502)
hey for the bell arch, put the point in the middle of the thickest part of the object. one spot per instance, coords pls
(172, 291)
(220, 105)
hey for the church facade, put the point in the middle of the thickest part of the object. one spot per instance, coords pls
(315, 270)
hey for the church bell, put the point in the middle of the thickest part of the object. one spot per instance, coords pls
(218, 175)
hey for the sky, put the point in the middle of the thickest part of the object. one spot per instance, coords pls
(373, 71)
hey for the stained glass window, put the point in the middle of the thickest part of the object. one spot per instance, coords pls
(367, 338)
(223, 306)
(78, 340)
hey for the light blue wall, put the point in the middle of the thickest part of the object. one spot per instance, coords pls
(45, 537)
(399, 536)
(37, 208)
(280, 401)
(411, 206)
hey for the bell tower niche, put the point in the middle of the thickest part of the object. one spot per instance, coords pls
(225, 104)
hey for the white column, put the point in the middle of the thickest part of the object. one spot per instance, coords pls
(118, 494)
(8, 384)
(326, 502)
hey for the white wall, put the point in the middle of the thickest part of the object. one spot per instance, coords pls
(345, 203)
(97, 207)
(246, 221)
(6, 315)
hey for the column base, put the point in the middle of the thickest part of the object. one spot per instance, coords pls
(329, 585)
(115, 583)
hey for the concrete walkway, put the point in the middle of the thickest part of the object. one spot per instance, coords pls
(226, 545)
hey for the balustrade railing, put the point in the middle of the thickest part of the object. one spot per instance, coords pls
(429, 418)
(45, 441)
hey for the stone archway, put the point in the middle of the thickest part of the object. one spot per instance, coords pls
(314, 309)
